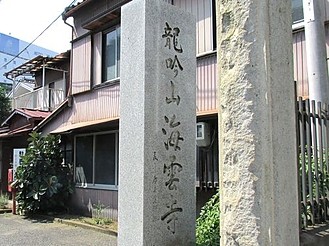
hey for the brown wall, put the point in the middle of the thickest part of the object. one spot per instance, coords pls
(7, 156)
(83, 200)
(18, 121)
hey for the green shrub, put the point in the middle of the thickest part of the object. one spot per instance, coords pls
(319, 185)
(207, 225)
(43, 182)
(3, 201)
(97, 215)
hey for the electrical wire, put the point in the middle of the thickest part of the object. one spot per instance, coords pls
(16, 56)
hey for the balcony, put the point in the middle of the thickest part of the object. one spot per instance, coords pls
(46, 99)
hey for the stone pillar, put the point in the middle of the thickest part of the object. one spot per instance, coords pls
(258, 166)
(157, 125)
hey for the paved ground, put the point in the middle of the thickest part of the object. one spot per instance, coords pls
(17, 231)
(316, 236)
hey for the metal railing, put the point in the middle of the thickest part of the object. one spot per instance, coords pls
(42, 99)
(313, 161)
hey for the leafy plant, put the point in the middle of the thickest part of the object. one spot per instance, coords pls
(98, 215)
(319, 184)
(3, 201)
(5, 106)
(207, 225)
(43, 182)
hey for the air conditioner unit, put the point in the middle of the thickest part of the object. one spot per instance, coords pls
(202, 134)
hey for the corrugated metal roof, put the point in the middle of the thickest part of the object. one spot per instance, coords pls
(17, 131)
(34, 113)
(28, 113)
(36, 64)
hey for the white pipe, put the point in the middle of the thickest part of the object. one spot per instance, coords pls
(44, 105)
(316, 51)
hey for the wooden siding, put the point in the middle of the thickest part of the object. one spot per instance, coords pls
(300, 64)
(99, 104)
(84, 200)
(202, 10)
(103, 103)
(206, 95)
(81, 60)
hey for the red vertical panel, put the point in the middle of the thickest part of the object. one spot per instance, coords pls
(206, 84)
(300, 63)
(81, 60)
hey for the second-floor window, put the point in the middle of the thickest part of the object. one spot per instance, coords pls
(106, 55)
(297, 11)
(111, 55)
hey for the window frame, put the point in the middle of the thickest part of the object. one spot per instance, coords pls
(94, 185)
(115, 29)
(298, 22)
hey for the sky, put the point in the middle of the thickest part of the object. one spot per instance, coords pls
(25, 20)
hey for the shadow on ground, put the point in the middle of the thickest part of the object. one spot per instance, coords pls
(317, 236)
(39, 219)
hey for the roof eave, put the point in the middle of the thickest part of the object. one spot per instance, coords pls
(70, 12)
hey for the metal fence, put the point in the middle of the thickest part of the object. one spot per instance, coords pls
(313, 161)
(42, 99)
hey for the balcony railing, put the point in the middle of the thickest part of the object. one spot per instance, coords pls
(42, 99)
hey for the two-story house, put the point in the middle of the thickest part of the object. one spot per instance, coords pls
(88, 121)
(32, 101)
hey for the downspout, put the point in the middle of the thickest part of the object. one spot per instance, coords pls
(69, 91)
(316, 53)
(43, 86)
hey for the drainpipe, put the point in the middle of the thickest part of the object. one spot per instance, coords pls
(316, 50)
(43, 86)
(14, 88)
(64, 84)
(72, 36)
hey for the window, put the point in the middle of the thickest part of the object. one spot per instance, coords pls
(297, 11)
(96, 159)
(111, 55)
(205, 14)
(214, 25)
(66, 149)
(106, 55)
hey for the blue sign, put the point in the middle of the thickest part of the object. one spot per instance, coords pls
(9, 44)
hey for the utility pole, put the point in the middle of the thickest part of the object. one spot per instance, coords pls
(316, 51)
